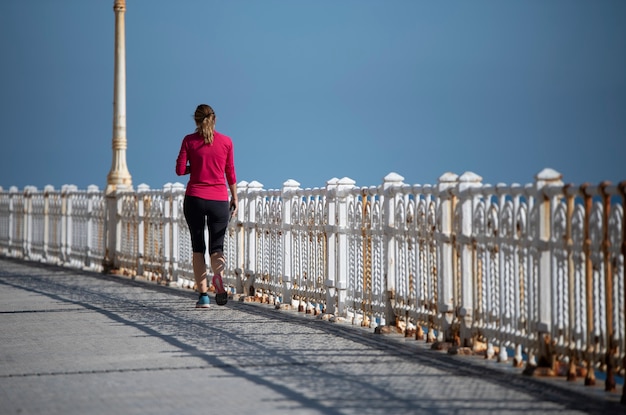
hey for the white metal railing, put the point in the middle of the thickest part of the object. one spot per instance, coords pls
(534, 270)
(55, 226)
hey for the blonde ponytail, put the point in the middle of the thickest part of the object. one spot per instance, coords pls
(205, 122)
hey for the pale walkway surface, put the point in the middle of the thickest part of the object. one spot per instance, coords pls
(75, 342)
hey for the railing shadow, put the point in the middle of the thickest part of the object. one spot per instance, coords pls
(290, 353)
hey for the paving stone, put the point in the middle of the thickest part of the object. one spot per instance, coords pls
(75, 342)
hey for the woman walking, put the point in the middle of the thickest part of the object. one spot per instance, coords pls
(208, 157)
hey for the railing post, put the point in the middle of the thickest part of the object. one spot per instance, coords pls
(12, 194)
(68, 230)
(545, 178)
(46, 219)
(141, 226)
(28, 220)
(331, 246)
(344, 186)
(610, 335)
(622, 192)
(240, 242)
(391, 183)
(504, 249)
(63, 248)
(92, 193)
(446, 249)
(178, 193)
(467, 182)
(167, 231)
(112, 229)
(253, 190)
(288, 196)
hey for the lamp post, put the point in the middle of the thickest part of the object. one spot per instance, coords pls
(119, 175)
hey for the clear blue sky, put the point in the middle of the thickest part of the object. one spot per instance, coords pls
(311, 90)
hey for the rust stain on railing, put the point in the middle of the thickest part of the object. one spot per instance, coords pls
(608, 282)
(590, 378)
(573, 355)
(622, 191)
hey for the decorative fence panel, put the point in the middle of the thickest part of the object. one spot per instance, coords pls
(533, 272)
(64, 227)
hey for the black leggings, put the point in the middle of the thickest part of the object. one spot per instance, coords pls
(199, 212)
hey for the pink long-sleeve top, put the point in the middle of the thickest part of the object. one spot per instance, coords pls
(210, 165)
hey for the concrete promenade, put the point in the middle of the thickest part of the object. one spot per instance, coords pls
(76, 342)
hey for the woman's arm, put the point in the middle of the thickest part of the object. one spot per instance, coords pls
(181, 161)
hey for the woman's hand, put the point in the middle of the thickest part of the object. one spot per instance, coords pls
(234, 207)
